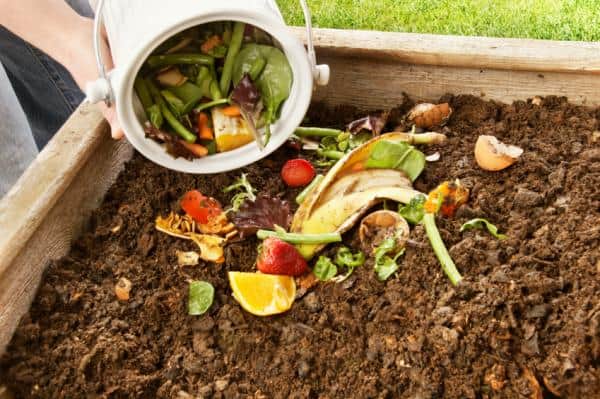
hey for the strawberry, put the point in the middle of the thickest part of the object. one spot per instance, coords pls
(279, 257)
(297, 172)
(200, 207)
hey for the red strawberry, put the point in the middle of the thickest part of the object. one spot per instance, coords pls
(297, 172)
(279, 257)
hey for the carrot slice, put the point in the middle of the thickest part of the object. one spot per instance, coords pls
(196, 149)
(210, 44)
(231, 110)
(204, 130)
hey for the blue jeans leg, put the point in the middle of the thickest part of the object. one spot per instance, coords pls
(46, 91)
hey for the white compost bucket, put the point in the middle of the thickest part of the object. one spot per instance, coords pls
(136, 29)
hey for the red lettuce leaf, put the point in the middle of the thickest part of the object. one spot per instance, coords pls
(263, 213)
(374, 123)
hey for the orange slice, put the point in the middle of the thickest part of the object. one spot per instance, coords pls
(263, 294)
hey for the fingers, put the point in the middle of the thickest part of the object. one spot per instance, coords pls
(111, 116)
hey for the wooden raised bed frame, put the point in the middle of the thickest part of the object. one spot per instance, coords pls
(52, 201)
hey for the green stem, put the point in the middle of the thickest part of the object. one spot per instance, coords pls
(234, 48)
(168, 115)
(157, 61)
(331, 154)
(423, 138)
(176, 125)
(316, 132)
(143, 93)
(210, 104)
(314, 183)
(440, 249)
(299, 238)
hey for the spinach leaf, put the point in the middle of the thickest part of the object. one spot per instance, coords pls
(413, 211)
(480, 223)
(201, 296)
(325, 269)
(397, 155)
(274, 81)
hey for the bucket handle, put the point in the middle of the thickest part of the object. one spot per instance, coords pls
(101, 90)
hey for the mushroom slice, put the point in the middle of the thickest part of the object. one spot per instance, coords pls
(378, 226)
(211, 247)
(493, 155)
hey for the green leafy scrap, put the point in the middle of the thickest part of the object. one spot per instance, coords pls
(247, 192)
(386, 265)
(325, 269)
(397, 155)
(201, 296)
(480, 223)
(413, 211)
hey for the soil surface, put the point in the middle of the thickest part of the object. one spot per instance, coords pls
(524, 323)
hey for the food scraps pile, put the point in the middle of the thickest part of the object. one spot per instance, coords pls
(212, 87)
(436, 250)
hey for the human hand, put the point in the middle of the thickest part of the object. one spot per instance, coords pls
(81, 64)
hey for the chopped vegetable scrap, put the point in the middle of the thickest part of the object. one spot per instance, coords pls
(397, 155)
(373, 123)
(279, 257)
(200, 207)
(299, 238)
(264, 213)
(122, 289)
(446, 198)
(345, 258)
(211, 247)
(263, 294)
(493, 155)
(245, 192)
(308, 189)
(427, 115)
(297, 172)
(386, 255)
(189, 258)
(325, 269)
(189, 81)
(413, 211)
(480, 223)
(200, 297)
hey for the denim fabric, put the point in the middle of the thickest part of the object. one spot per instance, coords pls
(37, 95)
(46, 91)
(17, 148)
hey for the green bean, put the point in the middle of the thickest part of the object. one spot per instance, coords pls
(174, 102)
(176, 125)
(142, 91)
(316, 132)
(214, 103)
(168, 115)
(331, 154)
(234, 48)
(157, 61)
(300, 238)
(304, 193)
(155, 116)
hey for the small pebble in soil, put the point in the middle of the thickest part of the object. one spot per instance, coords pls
(303, 369)
(312, 302)
(526, 198)
(221, 385)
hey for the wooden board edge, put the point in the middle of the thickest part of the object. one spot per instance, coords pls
(459, 51)
(26, 205)
(63, 223)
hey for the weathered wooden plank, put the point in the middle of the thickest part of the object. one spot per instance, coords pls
(50, 205)
(372, 83)
(460, 51)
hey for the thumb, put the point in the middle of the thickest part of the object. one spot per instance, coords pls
(111, 116)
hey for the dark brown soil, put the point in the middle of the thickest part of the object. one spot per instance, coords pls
(524, 323)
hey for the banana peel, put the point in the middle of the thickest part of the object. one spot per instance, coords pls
(351, 163)
(347, 192)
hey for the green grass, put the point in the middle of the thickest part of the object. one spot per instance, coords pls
(538, 19)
